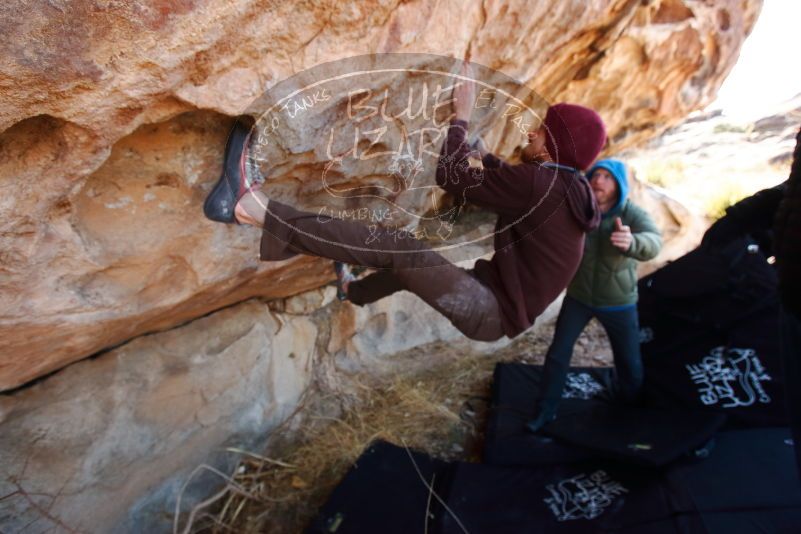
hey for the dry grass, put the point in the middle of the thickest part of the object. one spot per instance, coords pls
(440, 411)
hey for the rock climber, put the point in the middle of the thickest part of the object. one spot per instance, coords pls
(544, 207)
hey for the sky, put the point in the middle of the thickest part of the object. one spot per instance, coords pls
(767, 71)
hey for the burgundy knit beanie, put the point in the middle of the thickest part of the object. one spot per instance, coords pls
(574, 135)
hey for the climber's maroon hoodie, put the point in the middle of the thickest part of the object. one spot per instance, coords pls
(543, 212)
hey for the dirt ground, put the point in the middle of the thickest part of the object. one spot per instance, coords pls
(441, 411)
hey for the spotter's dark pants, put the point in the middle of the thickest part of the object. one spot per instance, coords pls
(622, 327)
(404, 263)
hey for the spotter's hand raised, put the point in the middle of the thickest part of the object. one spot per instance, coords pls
(621, 238)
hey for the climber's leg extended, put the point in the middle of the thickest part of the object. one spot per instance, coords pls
(470, 306)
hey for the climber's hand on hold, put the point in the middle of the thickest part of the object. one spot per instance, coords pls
(464, 94)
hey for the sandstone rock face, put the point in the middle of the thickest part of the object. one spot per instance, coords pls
(711, 160)
(681, 228)
(80, 448)
(112, 442)
(113, 119)
(129, 242)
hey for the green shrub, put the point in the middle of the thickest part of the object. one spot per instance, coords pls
(726, 127)
(729, 193)
(664, 173)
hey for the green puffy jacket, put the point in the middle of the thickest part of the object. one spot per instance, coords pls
(606, 276)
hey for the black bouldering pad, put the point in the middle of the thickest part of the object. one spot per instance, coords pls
(740, 377)
(588, 424)
(579, 498)
(709, 329)
(748, 486)
(645, 436)
(385, 491)
(515, 389)
(705, 292)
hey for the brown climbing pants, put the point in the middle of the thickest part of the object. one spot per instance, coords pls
(403, 263)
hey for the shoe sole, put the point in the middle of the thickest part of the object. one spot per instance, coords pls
(221, 201)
